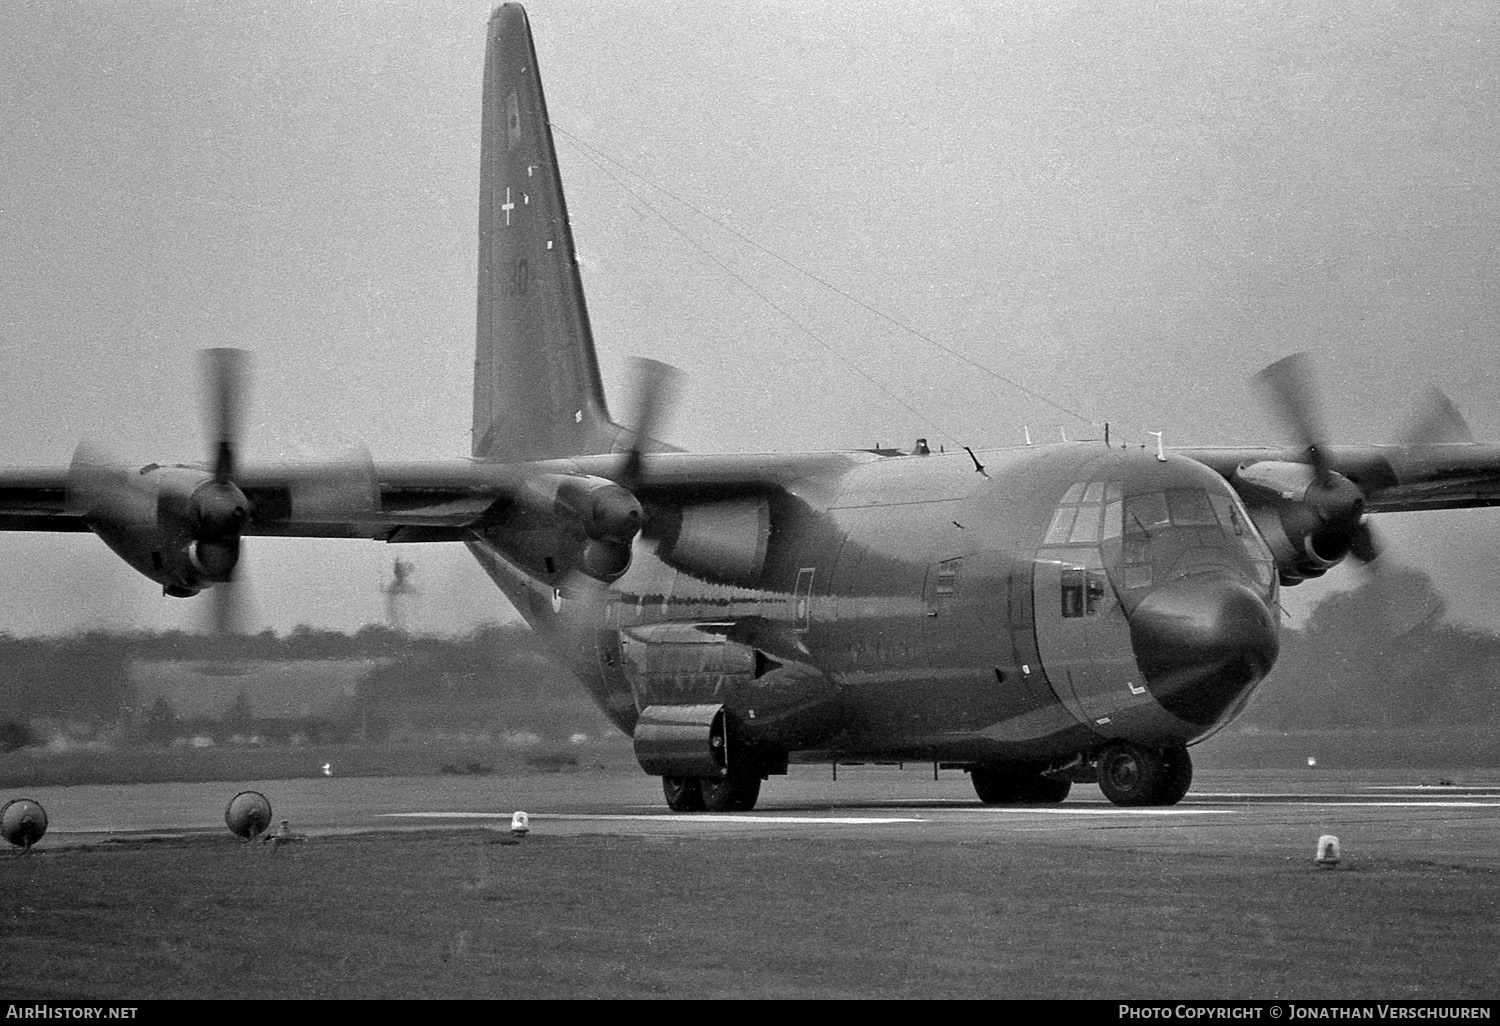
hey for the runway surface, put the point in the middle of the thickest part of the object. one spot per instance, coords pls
(1401, 816)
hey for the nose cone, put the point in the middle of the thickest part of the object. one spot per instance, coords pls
(1203, 642)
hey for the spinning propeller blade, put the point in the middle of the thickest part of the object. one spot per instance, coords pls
(656, 387)
(1287, 385)
(222, 373)
(1291, 395)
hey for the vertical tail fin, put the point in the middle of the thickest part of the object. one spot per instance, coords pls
(537, 391)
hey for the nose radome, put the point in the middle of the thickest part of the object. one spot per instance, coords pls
(1202, 642)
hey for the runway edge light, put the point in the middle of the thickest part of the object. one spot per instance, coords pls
(248, 814)
(1328, 851)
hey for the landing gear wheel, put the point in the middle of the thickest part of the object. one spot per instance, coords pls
(1179, 775)
(994, 786)
(684, 794)
(1017, 785)
(1134, 776)
(1044, 790)
(734, 792)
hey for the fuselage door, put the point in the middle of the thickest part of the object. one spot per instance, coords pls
(1081, 636)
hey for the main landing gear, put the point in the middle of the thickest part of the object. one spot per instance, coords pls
(1017, 785)
(736, 791)
(1132, 775)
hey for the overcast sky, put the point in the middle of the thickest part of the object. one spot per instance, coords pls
(1125, 208)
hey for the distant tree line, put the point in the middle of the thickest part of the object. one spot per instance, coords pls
(87, 679)
(1383, 655)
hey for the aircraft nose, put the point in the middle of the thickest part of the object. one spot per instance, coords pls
(1202, 643)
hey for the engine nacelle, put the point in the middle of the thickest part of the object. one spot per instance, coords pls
(1309, 524)
(176, 525)
(557, 524)
(723, 542)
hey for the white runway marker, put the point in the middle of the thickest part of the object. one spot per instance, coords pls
(691, 818)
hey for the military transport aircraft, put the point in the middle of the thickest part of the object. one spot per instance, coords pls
(1035, 615)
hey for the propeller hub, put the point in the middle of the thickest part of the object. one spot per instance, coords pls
(220, 510)
(614, 515)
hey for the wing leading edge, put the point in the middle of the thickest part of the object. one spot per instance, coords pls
(427, 501)
(1393, 478)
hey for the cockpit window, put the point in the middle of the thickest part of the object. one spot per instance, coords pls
(1229, 514)
(1190, 507)
(1077, 519)
(1112, 521)
(1175, 507)
(1146, 513)
(1086, 527)
(1149, 515)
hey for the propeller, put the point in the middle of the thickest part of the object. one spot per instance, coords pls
(1289, 389)
(222, 373)
(656, 388)
(179, 525)
(1287, 386)
(221, 510)
(1335, 503)
(1436, 422)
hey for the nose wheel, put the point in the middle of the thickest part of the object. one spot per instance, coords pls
(1131, 775)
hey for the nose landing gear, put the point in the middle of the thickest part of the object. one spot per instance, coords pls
(1132, 775)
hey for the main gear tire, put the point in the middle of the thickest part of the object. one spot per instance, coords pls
(1044, 790)
(684, 794)
(734, 792)
(1017, 785)
(994, 786)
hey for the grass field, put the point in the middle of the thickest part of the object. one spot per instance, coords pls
(465, 914)
(469, 914)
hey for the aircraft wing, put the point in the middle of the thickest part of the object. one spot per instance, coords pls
(1393, 478)
(426, 501)
(35, 500)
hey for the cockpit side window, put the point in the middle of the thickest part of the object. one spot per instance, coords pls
(1085, 591)
(1088, 514)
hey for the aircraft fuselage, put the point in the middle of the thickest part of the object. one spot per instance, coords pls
(916, 607)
